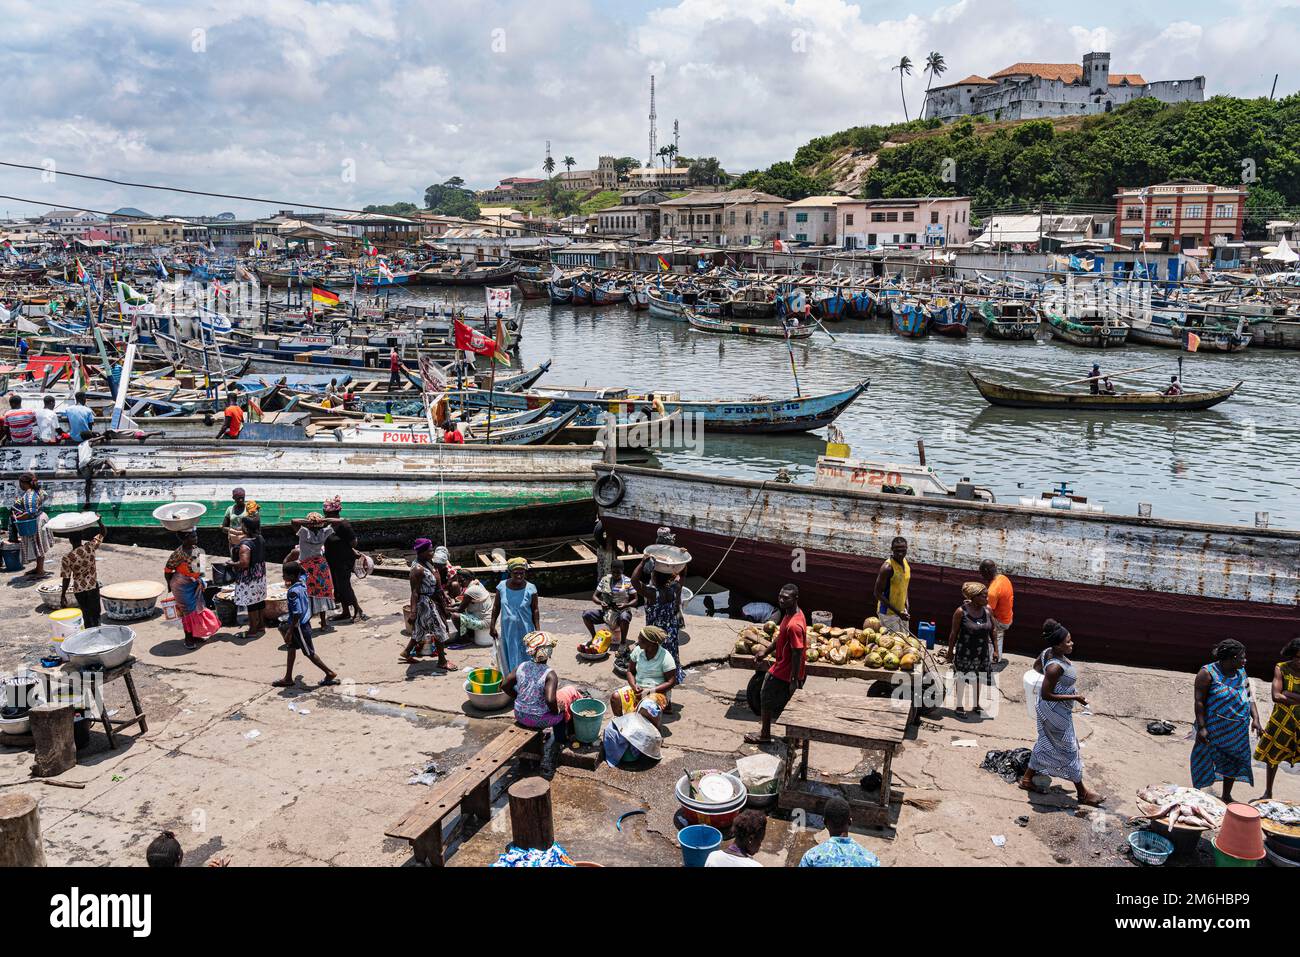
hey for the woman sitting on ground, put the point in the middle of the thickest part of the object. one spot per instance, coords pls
(651, 676)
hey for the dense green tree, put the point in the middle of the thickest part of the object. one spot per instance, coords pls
(451, 198)
(392, 209)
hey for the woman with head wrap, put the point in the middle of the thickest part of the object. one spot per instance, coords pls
(651, 676)
(515, 613)
(341, 555)
(313, 533)
(1225, 715)
(1056, 752)
(970, 644)
(248, 559)
(428, 609)
(534, 687)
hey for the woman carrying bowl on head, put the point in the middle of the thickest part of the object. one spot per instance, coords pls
(313, 533)
(662, 592)
(184, 575)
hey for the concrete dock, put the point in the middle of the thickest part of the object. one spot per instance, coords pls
(307, 775)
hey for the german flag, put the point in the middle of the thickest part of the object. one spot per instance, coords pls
(324, 296)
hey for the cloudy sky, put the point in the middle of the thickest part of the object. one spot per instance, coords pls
(349, 103)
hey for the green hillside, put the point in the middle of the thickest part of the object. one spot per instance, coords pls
(1077, 161)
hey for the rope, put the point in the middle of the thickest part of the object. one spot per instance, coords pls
(757, 499)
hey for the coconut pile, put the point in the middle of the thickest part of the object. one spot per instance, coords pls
(871, 646)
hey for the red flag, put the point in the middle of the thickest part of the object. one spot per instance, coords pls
(1193, 341)
(467, 340)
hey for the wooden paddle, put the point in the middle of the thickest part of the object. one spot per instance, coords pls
(1107, 375)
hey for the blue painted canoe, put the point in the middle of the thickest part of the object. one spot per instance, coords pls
(769, 416)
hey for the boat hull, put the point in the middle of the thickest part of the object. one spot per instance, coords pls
(1016, 398)
(1132, 591)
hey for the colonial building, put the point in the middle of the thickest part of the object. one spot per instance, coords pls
(920, 221)
(1025, 91)
(648, 177)
(730, 218)
(635, 217)
(1180, 214)
(604, 176)
(814, 220)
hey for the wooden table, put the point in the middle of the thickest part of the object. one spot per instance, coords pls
(97, 679)
(872, 724)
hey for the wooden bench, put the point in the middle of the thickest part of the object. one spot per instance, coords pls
(468, 789)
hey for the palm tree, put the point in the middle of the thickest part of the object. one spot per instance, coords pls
(671, 149)
(662, 153)
(549, 166)
(569, 163)
(934, 66)
(904, 66)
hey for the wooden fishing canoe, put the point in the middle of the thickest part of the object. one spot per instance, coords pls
(1015, 397)
(772, 330)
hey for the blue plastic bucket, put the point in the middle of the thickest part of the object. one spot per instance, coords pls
(587, 715)
(28, 526)
(925, 631)
(13, 557)
(698, 841)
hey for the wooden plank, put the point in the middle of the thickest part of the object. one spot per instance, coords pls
(813, 714)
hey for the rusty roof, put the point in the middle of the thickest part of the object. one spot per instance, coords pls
(973, 80)
(1066, 72)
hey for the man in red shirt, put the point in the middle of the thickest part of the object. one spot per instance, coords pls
(788, 671)
(452, 435)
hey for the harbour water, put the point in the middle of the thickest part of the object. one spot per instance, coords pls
(1222, 465)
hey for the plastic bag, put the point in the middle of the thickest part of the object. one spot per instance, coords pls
(1033, 685)
(759, 772)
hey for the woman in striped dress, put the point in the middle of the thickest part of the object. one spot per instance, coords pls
(1225, 714)
(1056, 752)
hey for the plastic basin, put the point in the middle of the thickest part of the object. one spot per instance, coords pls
(588, 713)
(484, 681)
(1227, 860)
(697, 842)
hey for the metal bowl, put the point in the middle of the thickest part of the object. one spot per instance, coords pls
(668, 558)
(180, 516)
(487, 702)
(51, 591)
(106, 646)
(688, 803)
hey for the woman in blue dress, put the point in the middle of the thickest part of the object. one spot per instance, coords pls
(1225, 714)
(516, 611)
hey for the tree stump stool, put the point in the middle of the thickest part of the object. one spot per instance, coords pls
(52, 737)
(531, 823)
(20, 832)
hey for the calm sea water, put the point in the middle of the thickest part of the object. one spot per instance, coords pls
(1221, 465)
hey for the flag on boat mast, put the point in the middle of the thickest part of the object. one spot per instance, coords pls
(663, 264)
(1193, 341)
(324, 296)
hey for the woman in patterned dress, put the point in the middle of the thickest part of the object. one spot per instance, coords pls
(663, 609)
(428, 610)
(248, 558)
(29, 503)
(313, 532)
(970, 644)
(1281, 739)
(1056, 752)
(1225, 714)
(184, 576)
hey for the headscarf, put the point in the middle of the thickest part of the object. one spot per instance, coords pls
(539, 645)
(654, 633)
(334, 504)
(516, 562)
(420, 544)
(315, 518)
(972, 590)
(238, 493)
(441, 556)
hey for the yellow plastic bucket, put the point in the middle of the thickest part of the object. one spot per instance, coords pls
(64, 623)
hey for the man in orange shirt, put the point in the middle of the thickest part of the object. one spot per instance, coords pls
(1001, 598)
(234, 419)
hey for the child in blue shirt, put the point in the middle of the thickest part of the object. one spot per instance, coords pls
(296, 628)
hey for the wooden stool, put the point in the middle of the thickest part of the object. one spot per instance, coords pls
(531, 823)
(20, 832)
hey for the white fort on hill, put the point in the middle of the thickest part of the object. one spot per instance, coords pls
(1026, 91)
